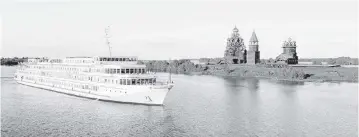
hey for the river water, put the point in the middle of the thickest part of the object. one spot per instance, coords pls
(197, 106)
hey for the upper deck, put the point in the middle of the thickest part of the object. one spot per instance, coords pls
(106, 65)
(96, 60)
(101, 60)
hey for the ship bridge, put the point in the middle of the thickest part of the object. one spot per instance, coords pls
(125, 69)
(116, 60)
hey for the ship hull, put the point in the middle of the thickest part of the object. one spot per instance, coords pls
(142, 95)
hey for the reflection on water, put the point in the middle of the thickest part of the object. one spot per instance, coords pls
(253, 84)
(197, 106)
(290, 83)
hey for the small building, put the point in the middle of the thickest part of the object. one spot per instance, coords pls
(289, 55)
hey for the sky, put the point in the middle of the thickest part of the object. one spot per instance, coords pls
(174, 29)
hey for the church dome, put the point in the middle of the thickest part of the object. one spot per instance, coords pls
(235, 29)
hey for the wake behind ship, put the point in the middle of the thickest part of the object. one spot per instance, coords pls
(117, 79)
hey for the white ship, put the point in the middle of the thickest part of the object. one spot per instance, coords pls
(117, 79)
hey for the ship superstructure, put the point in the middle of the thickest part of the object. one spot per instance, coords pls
(118, 79)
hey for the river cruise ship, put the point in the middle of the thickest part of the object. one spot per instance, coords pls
(116, 79)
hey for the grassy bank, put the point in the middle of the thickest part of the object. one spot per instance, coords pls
(278, 72)
(287, 73)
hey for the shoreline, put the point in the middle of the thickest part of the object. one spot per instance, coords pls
(294, 74)
(291, 80)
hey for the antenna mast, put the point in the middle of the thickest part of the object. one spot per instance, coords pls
(107, 29)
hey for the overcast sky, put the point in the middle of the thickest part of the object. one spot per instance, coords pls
(162, 30)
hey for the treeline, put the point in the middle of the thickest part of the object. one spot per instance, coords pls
(212, 61)
(12, 61)
(183, 66)
(332, 61)
(320, 61)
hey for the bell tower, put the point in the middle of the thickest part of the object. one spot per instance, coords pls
(253, 54)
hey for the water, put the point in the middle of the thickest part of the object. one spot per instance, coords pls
(197, 106)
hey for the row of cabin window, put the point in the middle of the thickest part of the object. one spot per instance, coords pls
(59, 68)
(41, 73)
(67, 68)
(132, 81)
(94, 70)
(95, 88)
(38, 73)
(120, 81)
(117, 59)
(38, 67)
(125, 71)
(79, 61)
(97, 70)
(29, 78)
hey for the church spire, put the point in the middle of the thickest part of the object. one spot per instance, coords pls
(253, 54)
(254, 37)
